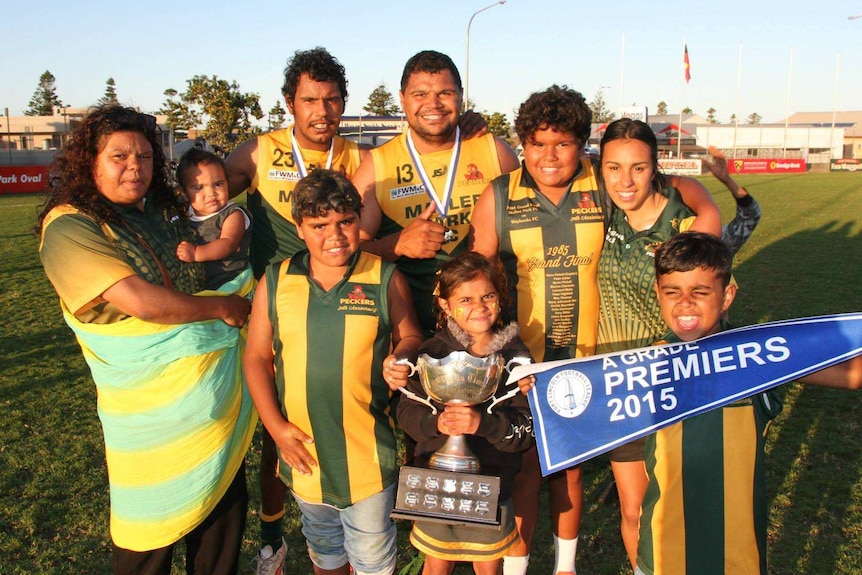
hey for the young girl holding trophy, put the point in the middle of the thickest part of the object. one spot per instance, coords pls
(470, 293)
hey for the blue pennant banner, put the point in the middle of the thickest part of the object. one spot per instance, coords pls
(585, 407)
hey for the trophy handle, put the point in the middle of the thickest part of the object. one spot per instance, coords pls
(515, 361)
(415, 397)
(410, 394)
(405, 361)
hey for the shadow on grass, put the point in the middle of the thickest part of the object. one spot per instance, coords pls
(814, 448)
(813, 484)
(39, 361)
(35, 268)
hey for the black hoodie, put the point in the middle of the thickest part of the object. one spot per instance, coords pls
(502, 434)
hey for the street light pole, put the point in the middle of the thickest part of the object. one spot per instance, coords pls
(467, 63)
(8, 134)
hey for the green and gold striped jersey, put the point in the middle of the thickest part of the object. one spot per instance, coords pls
(704, 511)
(329, 348)
(551, 255)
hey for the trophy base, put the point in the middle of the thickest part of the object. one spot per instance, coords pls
(453, 462)
(427, 494)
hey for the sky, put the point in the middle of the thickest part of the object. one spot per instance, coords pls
(796, 56)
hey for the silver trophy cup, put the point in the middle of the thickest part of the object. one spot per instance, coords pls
(459, 379)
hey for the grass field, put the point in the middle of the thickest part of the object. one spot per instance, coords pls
(804, 259)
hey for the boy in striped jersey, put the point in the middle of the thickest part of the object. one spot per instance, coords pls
(322, 325)
(705, 508)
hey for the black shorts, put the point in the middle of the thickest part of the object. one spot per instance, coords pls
(631, 451)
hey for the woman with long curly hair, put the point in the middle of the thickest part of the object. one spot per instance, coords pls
(175, 417)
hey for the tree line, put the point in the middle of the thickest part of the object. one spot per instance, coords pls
(226, 112)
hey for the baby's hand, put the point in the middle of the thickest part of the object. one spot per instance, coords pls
(527, 383)
(186, 252)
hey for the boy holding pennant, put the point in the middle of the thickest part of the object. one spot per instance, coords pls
(705, 509)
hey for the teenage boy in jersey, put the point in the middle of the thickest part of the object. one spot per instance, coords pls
(685, 528)
(545, 222)
(419, 188)
(320, 331)
(550, 209)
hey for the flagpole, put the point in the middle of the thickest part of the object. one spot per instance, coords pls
(835, 106)
(738, 92)
(787, 111)
(685, 68)
(623, 73)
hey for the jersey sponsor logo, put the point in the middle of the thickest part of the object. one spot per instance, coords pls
(357, 293)
(450, 222)
(569, 393)
(282, 176)
(478, 181)
(473, 173)
(357, 301)
(406, 191)
(587, 210)
(585, 201)
(650, 248)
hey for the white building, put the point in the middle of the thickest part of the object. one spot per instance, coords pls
(816, 145)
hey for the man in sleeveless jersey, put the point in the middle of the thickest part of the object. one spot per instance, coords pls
(418, 190)
(270, 166)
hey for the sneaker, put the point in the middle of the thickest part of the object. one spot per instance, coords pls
(269, 563)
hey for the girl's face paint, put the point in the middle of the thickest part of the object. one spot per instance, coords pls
(474, 305)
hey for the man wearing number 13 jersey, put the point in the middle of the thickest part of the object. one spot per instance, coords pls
(419, 189)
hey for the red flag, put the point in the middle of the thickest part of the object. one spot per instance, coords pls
(686, 65)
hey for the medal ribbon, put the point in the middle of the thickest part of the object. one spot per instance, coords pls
(297, 155)
(442, 204)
